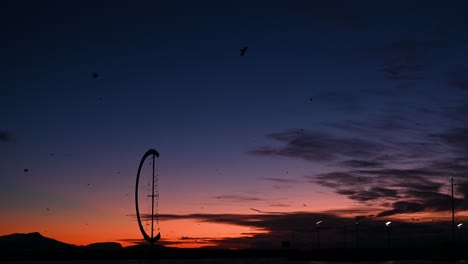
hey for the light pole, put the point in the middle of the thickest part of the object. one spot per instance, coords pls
(460, 238)
(344, 236)
(453, 214)
(357, 234)
(318, 233)
(388, 233)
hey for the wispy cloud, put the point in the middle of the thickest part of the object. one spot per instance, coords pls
(6, 136)
(407, 59)
(405, 191)
(315, 146)
(395, 175)
(279, 180)
(270, 229)
(239, 198)
(361, 164)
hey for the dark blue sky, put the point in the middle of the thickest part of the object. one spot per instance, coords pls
(328, 93)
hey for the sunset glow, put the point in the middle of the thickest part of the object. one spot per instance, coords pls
(274, 122)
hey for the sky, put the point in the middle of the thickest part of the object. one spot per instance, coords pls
(339, 111)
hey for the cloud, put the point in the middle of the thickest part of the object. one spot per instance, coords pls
(458, 79)
(6, 136)
(325, 12)
(340, 100)
(387, 125)
(239, 198)
(457, 113)
(269, 230)
(403, 207)
(461, 84)
(279, 180)
(281, 187)
(315, 146)
(407, 59)
(412, 190)
(456, 138)
(283, 183)
(401, 176)
(361, 164)
(339, 179)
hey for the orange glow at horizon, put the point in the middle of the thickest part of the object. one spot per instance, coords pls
(82, 215)
(185, 233)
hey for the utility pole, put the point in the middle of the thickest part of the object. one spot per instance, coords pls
(388, 233)
(318, 236)
(357, 234)
(318, 233)
(344, 236)
(453, 214)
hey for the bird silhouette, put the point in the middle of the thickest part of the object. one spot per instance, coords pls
(26, 170)
(243, 51)
(95, 75)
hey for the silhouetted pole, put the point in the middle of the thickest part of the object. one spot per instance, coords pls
(388, 233)
(152, 206)
(460, 237)
(318, 233)
(318, 236)
(357, 234)
(453, 215)
(344, 236)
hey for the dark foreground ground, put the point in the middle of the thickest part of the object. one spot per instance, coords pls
(171, 253)
(34, 246)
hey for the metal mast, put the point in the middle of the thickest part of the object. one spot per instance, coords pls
(453, 214)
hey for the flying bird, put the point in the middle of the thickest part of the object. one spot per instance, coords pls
(26, 170)
(243, 51)
(95, 75)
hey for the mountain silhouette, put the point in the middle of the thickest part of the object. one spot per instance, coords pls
(34, 246)
(104, 246)
(32, 242)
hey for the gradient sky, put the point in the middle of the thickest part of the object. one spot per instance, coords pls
(339, 110)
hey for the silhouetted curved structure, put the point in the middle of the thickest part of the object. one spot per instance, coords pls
(151, 238)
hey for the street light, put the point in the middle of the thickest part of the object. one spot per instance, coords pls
(357, 234)
(388, 233)
(344, 236)
(318, 233)
(460, 237)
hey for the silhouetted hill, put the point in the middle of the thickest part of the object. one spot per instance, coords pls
(104, 246)
(32, 245)
(32, 241)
